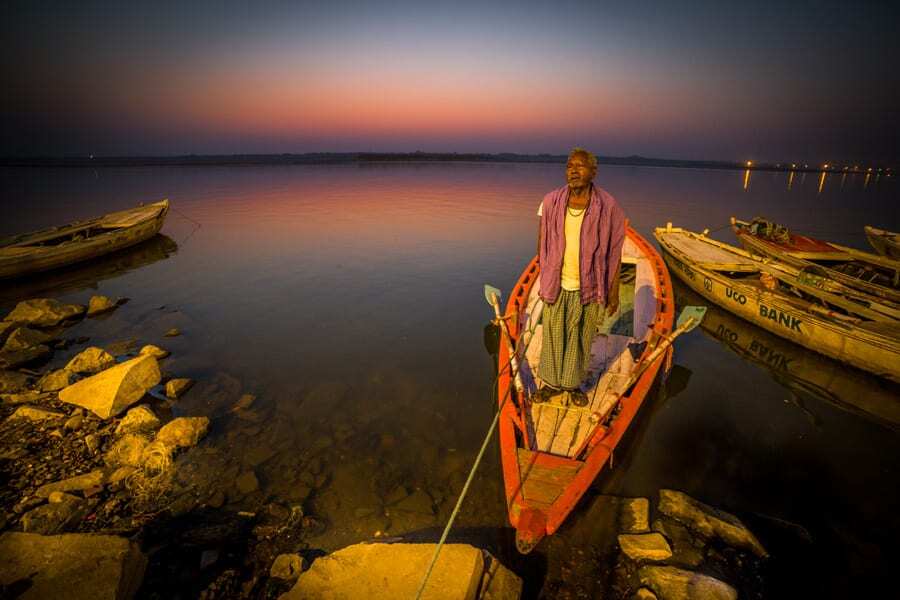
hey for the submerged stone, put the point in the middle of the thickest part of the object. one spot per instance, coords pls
(183, 432)
(23, 338)
(12, 382)
(176, 387)
(287, 566)
(685, 549)
(18, 358)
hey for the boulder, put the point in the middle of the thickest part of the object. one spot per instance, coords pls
(137, 419)
(673, 583)
(25, 337)
(12, 382)
(91, 360)
(35, 414)
(709, 521)
(287, 566)
(176, 387)
(100, 304)
(72, 566)
(55, 517)
(55, 380)
(127, 451)
(154, 351)
(392, 571)
(183, 432)
(645, 546)
(73, 484)
(43, 312)
(686, 550)
(110, 392)
(16, 358)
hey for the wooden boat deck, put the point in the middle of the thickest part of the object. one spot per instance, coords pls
(561, 429)
(542, 484)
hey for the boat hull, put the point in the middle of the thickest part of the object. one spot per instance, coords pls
(533, 521)
(807, 253)
(885, 243)
(873, 352)
(18, 260)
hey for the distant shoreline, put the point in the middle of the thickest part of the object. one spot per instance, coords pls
(383, 157)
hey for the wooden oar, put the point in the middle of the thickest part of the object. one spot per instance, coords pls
(492, 295)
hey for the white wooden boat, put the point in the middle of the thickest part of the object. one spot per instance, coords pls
(79, 241)
(749, 286)
(886, 243)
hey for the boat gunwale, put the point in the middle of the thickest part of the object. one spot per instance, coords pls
(597, 454)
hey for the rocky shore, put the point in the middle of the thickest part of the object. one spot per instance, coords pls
(91, 443)
(120, 476)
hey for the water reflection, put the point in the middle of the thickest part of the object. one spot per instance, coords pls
(822, 181)
(807, 374)
(790, 180)
(747, 179)
(89, 274)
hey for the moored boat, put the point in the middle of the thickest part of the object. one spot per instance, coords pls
(804, 372)
(79, 241)
(885, 243)
(551, 452)
(756, 290)
(871, 273)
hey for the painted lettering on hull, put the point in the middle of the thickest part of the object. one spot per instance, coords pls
(785, 320)
(736, 296)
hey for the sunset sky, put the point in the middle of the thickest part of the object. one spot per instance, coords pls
(700, 80)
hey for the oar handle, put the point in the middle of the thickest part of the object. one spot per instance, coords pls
(510, 348)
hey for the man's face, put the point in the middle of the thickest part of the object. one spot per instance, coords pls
(579, 173)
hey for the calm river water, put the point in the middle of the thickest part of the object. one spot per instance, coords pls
(348, 300)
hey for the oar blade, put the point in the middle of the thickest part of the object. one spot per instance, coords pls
(690, 317)
(489, 292)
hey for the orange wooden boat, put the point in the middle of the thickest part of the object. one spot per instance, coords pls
(552, 452)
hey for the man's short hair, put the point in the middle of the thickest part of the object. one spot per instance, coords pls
(592, 160)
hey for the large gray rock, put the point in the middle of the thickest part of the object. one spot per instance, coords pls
(43, 312)
(25, 337)
(392, 571)
(91, 360)
(645, 546)
(112, 391)
(137, 419)
(673, 583)
(72, 484)
(72, 566)
(12, 382)
(709, 521)
(183, 432)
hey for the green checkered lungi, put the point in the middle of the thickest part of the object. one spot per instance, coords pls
(569, 330)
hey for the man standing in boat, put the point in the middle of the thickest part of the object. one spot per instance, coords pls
(580, 238)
